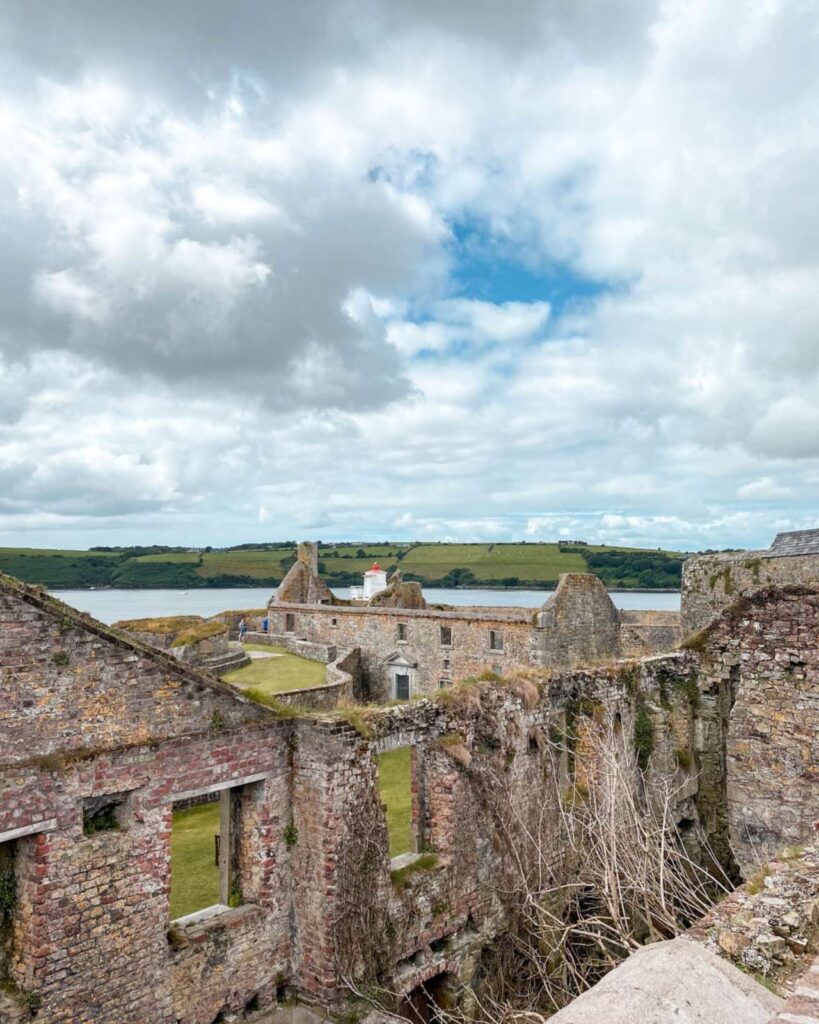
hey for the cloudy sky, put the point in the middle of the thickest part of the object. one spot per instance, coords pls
(409, 269)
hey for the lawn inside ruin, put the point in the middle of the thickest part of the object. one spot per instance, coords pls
(278, 674)
(194, 872)
(395, 786)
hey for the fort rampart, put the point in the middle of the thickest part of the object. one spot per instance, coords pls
(90, 720)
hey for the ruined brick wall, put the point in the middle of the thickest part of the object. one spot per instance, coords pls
(711, 583)
(66, 684)
(376, 632)
(760, 662)
(92, 910)
(485, 758)
(732, 728)
(87, 715)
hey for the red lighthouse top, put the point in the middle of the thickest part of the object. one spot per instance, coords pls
(376, 567)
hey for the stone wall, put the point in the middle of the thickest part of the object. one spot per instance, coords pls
(341, 688)
(770, 925)
(294, 644)
(86, 714)
(711, 583)
(578, 624)
(644, 633)
(760, 661)
(481, 752)
(422, 653)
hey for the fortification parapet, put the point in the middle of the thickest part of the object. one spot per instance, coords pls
(710, 583)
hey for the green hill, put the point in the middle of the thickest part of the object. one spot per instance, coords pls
(264, 565)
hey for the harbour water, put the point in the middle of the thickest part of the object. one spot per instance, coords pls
(111, 605)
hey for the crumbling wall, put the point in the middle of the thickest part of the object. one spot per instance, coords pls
(711, 583)
(770, 925)
(731, 726)
(92, 911)
(760, 663)
(487, 758)
(69, 684)
(302, 584)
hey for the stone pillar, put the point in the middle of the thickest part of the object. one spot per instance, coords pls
(307, 554)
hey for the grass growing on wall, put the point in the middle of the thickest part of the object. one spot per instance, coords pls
(194, 873)
(395, 785)
(276, 675)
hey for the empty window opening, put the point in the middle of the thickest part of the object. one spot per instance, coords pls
(103, 813)
(290, 623)
(431, 1001)
(446, 664)
(495, 640)
(401, 633)
(333, 622)
(395, 787)
(196, 850)
(443, 683)
(446, 636)
(8, 902)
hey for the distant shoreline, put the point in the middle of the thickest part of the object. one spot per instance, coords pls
(473, 586)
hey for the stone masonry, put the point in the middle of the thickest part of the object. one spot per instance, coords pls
(405, 642)
(92, 718)
(710, 583)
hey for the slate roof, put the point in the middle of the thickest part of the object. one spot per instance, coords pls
(797, 542)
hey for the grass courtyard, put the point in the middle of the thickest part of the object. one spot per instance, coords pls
(395, 784)
(274, 675)
(194, 873)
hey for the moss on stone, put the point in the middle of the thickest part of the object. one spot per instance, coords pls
(401, 877)
(643, 735)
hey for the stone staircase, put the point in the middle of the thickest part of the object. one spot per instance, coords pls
(218, 664)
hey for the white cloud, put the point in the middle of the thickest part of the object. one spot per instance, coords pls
(255, 272)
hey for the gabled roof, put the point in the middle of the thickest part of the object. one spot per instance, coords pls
(796, 542)
(64, 613)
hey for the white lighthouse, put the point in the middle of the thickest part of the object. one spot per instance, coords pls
(375, 580)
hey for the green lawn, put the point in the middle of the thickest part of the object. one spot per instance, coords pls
(274, 675)
(395, 784)
(194, 874)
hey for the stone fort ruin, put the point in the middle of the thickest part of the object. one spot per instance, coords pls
(102, 735)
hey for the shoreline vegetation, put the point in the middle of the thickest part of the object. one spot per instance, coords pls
(513, 566)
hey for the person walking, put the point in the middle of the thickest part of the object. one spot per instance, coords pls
(242, 630)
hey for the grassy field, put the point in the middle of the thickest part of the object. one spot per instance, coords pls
(194, 873)
(394, 781)
(275, 675)
(493, 561)
(446, 564)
